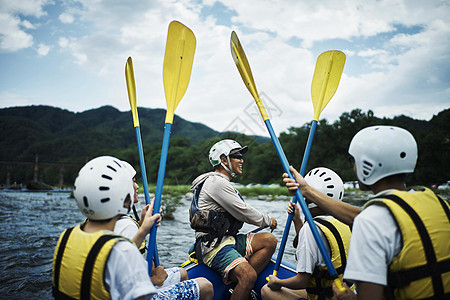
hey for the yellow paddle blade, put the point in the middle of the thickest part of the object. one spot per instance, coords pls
(131, 87)
(326, 79)
(178, 59)
(240, 59)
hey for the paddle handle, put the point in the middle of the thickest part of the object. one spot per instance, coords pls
(301, 200)
(158, 193)
(291, 215)
(142, 164)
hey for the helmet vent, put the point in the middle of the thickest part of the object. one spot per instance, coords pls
(104, 200)
(109, 167)
(323, 173)
(85, 201)
(104, 188)
(367, 167)
(327, 179)
(402, 155)
(106, 177)
(316, 171)
(331, 186)
(330, 195)
(340, 195)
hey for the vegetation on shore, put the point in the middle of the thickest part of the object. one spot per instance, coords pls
(55, 136)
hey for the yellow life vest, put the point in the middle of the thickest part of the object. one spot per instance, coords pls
(338, 237)
(143, 246)
(79, 264)
(422, 268)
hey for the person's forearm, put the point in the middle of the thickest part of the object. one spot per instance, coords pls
(297, 225)
(342, 211)
(139, 237)
(298, 282)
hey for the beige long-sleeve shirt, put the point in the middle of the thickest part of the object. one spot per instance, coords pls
(218, 194)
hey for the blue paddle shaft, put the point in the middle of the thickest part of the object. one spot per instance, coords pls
(299, 197)
(142, 164)
(294, 200)
(158, 194)
(312, 131)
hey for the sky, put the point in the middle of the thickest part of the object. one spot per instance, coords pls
(72, 54)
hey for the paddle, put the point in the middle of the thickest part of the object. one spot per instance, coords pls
(327, 75)
(178, 59)
(131, 87)
(244, 69)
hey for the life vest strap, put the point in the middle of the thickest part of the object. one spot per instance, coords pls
(339, 241)
(88, 269)
(428, 248)
(58, 260)
(404, 277)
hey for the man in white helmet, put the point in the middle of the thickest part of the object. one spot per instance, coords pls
(399, 247)
(218, 212)
(312, 273)
(90, 261)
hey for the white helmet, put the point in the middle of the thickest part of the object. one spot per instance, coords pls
(130, 168)
(225, 147)
(381, 151)
(327, 182)
(101, 188)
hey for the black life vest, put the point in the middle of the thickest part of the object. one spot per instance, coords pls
(215, 224)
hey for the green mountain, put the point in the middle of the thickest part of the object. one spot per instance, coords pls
(60, 136)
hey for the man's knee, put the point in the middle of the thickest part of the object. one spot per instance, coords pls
(245, 274)
(183, 274)
(269, 241)
(206, 288)
(265, 290)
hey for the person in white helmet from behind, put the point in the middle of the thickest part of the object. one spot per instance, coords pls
(218, 212)
(399, 247)
(312, 273)
(169, 282)
(90, 261)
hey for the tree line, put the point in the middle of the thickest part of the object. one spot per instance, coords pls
(188, 152)
(330, 146)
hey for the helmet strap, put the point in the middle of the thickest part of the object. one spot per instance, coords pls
(229, 170)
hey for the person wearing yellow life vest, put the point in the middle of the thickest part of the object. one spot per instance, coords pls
(312, 280)
(129, 226)
(90, 261)
(399, 247)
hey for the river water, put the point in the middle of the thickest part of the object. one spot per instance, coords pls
(31, 222)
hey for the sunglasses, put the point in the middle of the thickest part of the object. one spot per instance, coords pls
(236, 156)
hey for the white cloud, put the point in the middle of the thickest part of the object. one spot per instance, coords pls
(63, 42)
(43, 49)
(401, 46)
(25, 7)
(66, 18)
(12, 37)
(27, 24)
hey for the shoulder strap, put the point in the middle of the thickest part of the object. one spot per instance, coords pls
(194, 203)
(339, 241)
(61, 248)
(432, 268)
(88, 269)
